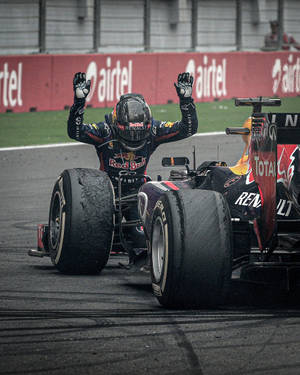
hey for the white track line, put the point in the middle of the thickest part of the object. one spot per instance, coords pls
(40, 146)
(80, 143)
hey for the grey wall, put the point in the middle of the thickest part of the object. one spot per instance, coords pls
(65, 31)
(170, 28)
(216, 25)
(19, 26)
(121, 26)
(127, 25)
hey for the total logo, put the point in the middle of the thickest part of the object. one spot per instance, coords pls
(265, 168)
(109, 82)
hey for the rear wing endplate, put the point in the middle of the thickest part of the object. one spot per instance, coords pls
(287, 124)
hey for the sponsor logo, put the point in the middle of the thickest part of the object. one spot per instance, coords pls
(169, 124)
(126, 155)
(247, 199)
(154, 130)
(231, 181)
(272, 132)
(285, 167)
(142, 205)
(210, 77)
(92, 126)
(156, 290)
(284, 207)
(11, 86)
(291, 120)
(136, 124)
(110, 82)
(286, 75)
(129, 165)
(161, 207)
(166, 124)
(107, 129)
(265, 168)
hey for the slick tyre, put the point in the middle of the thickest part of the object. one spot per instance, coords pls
(191, 249)
(81, 221)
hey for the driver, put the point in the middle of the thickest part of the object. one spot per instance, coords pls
(128, 136)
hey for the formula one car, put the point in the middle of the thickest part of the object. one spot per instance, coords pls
(206, 222)
(201, 225)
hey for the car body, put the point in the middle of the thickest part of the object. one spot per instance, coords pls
(262, 194)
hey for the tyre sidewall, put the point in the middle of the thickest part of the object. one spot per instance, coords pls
(61, 191)
(166, 286)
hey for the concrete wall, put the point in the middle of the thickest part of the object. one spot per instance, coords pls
(121, 26)
(66, 32)
(216, 25)
(19, 26)
(70, 25)
(170, 25)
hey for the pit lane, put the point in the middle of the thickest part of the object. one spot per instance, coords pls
(111, 324)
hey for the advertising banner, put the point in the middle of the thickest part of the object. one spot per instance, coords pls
(44, 82)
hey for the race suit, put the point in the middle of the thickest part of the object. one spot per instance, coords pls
(115, 158)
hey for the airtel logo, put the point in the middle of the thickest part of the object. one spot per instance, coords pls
(110, 82)
(210, 77)
(286, 76)
(11, 86)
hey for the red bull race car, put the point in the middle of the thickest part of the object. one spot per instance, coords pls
(201, 226)
(211, 221)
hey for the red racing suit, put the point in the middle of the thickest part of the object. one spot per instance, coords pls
(113, 156)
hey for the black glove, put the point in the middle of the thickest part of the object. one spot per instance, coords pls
(184, 85)
(81, 86)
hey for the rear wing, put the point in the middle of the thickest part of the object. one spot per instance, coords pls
(287, 124)
(288, 127)
(268, 130)
(257, 103)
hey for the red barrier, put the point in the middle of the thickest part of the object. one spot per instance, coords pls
(44, 82)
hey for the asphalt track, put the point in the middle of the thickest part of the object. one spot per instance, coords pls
(111, 324)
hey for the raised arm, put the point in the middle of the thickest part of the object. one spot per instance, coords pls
(87, 133)
(167, 131)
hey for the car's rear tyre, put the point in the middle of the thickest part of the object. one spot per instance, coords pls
(81, 221)
(191, 249)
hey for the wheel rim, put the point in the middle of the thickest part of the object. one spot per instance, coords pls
(55, 221)
(158, 248)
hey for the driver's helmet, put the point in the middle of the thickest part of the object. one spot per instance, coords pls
(131, 120)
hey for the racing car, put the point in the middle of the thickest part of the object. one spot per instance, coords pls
(200, 225)
(205, 223)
